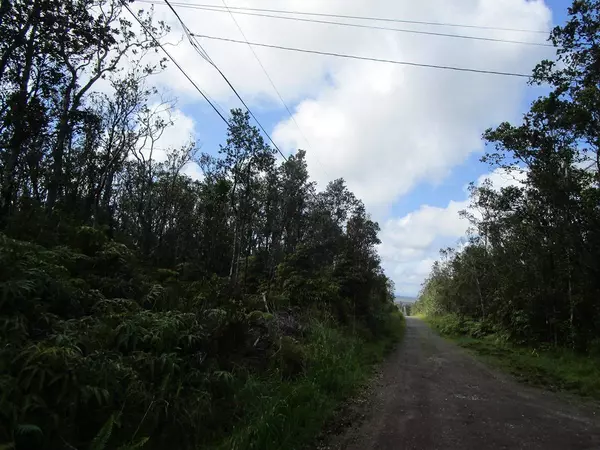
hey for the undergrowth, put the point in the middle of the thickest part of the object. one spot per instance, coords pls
(98, 348)
(556, 369)
(289, 413)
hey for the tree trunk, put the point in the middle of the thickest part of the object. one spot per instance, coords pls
(56, 177)
(19, 136)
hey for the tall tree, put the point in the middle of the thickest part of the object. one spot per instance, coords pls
(534, 259)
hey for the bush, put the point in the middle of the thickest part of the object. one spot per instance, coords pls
(454, 325)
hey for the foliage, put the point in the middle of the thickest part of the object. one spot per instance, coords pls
(453, 325)
(531, 268)
(138, 305)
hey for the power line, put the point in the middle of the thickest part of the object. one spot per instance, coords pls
(205, 56)
(273, 84)
(176, 64)
(356, 25)
(343, 16)
(193, 41)
(365, 58)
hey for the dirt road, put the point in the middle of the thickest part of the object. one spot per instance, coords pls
(433, 395)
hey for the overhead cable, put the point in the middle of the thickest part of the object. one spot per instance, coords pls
(344, 16)
(273, 84)
(374, 27)
(366, 58)
(176, 64)
(192, 37)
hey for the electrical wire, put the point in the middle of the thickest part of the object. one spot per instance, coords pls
(366, 58)
(273, 85)
(194, 42)
(343, 16)
(192, 38)
(176, 64)
(356, 25)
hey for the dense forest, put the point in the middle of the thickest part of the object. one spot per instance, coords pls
(530, 271)
(140, 307)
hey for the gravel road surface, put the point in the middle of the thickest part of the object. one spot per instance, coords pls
(433, 395)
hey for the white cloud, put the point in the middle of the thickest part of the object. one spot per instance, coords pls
(410, 244)
(384, 128)
(193, 171)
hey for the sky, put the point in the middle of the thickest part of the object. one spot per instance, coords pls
(407, 140)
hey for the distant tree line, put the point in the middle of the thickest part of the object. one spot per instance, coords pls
(531, 268)
(131, 294)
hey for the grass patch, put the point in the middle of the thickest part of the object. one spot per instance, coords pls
(553, 369)
(289, 413)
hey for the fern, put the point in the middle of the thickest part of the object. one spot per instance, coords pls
(223, 376)
(256, 316)
(135, 446)
(157, 292)
(101, 440)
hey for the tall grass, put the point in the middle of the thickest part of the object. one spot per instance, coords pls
(287, 413)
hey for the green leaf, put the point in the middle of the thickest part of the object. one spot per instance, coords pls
(135, 446)
(103, 436)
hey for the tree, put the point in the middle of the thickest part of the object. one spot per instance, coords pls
(535, 256)
(56, 52)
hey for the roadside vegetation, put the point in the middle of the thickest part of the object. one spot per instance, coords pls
(143, 308)
(291, 413)
(556, 369)
(523, 290)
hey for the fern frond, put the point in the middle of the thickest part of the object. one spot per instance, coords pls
(135, 446)
(101, 440)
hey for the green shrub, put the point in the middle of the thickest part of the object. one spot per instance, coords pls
(454, 325)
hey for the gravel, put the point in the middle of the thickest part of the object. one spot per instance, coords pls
(433, 395)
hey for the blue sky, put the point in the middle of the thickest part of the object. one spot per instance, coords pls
(407, 140)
